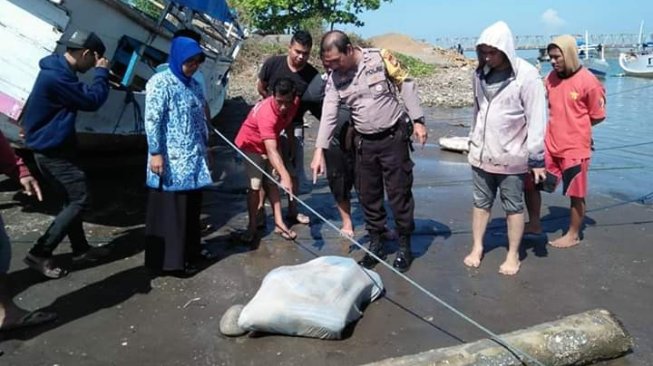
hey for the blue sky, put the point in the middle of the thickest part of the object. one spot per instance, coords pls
(430, 19)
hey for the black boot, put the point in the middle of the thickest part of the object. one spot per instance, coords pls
(404, 256)
(376, 247)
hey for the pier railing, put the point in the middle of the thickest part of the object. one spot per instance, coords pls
(534, 42)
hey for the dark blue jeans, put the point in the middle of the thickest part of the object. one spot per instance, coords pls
(69, 181)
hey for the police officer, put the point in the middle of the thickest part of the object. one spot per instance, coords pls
(382, 140)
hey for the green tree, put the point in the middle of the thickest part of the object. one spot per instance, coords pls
(280, 15)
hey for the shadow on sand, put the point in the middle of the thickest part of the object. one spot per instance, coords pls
(556, 220)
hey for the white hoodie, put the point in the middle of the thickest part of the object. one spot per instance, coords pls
(507, 134)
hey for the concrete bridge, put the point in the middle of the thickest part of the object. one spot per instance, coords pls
(618, 40)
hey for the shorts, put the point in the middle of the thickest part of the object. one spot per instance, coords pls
(254, 175)
(572, 172)
(340, 172)
(511, 189)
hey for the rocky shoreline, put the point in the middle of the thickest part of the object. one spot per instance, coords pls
(449, 86)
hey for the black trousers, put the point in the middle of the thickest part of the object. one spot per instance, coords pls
(69, 182)
(384, 164)
(172, 229)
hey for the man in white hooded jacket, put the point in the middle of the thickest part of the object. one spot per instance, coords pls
(506, 138)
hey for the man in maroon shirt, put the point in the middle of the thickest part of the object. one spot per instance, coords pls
(259, 139)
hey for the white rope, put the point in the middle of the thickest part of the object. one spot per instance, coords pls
(515, 351)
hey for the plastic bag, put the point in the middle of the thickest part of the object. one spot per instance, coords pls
(315, 299)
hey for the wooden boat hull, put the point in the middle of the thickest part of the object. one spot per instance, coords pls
(597, 66)
(640, 65)
(31, 31)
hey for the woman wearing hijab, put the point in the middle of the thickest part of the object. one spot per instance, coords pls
(175, 124)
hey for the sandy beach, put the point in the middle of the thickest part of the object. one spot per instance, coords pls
(115, 313)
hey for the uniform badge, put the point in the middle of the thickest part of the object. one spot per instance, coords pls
(574, 95)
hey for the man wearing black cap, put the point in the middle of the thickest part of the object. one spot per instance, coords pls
(49, 124)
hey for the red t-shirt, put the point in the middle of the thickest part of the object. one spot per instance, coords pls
(264, 122)
(573, 103)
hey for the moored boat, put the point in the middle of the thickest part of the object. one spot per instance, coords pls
(592, 57)
(639, 61)
(136, 44)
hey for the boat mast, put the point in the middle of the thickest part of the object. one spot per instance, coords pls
(587, 47)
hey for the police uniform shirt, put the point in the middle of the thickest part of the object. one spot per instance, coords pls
(369, 94)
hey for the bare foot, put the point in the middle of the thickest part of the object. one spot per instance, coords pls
(473, 259)
(530, 228)
(10, 313)
(511, 266)
(565, 241)
(347, 232)
(13, 317)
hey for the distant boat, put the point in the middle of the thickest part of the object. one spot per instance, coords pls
(136, 44)
(543, 55)
(638, 62)
(454, 143)
(592, 56)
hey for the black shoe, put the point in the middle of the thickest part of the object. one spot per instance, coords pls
(376, 247)
(403, 261)
(92, 254)
(369, 262)
(189, 271)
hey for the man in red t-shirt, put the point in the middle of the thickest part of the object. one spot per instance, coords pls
(576, 103)
(258, 138)
(295, 66)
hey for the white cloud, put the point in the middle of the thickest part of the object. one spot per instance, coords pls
(551, 19)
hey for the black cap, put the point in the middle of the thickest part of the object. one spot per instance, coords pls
(85, 40)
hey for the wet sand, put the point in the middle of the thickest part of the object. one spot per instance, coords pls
(115, 313)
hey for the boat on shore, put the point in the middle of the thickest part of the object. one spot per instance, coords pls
(136, 44)
(639, 61)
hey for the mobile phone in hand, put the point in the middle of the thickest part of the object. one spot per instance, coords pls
(549, 183)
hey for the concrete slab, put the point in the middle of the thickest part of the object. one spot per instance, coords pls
(117, 314)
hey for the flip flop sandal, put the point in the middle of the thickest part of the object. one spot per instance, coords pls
(300, 219)
(45, 266)
(30, 319)
(347, 233)
(288, 235)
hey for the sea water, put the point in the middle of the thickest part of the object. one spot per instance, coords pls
(622, 163)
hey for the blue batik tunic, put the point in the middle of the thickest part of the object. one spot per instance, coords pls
(175, 125)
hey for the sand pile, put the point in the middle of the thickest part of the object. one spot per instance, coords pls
(419, 49)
